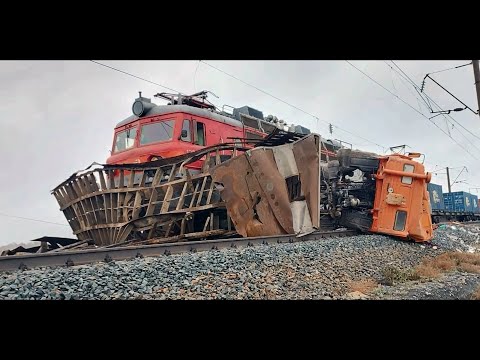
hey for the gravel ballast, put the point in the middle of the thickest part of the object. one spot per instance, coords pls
(308, 270)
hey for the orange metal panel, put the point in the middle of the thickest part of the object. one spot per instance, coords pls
(392, 196)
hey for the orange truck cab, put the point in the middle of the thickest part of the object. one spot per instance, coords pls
(388, 195)
(401, 206)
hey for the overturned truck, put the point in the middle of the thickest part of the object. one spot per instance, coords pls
(279, 187)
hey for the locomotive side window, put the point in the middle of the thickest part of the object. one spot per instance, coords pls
(125, 139)
(186, 135)
(155, 132)
(200, 134)
(407, 168)
(400, 220)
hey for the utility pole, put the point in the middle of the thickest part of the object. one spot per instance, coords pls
(476, 73)
(448, 180)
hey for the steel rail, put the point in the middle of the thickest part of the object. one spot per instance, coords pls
(80, 257)
(474, 222)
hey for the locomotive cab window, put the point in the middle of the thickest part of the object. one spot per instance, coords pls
(400, 220)
(199, 133)
(125, 139)
(407, 168)
(186, 135)
(156, 132)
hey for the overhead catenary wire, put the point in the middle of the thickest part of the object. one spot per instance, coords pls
(472, 185)
(451, 168)
(438, 106)
(283, 101)
(456, 98)
(464, 168)
(290, 104)
(426, 101)
(137, 77)
(31, 219)
(407, 86)
(452, 68)
(195, 75)
(410, 106)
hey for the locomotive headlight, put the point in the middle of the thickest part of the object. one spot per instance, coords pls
(142, 106)
(138, 108)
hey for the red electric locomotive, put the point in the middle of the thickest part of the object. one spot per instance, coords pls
(186, 124)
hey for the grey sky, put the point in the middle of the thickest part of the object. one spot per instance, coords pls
(58, 116)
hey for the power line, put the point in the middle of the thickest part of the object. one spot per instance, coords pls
(417, 88)
(289, 104)
(408, 79)
(446, 120)
(464, 168)
(426, 101)
(383, 87)
(455, 67)
(428, 75)
(360, 137)
(262, 91)
(404, 82)
(410, 106)
(438, 106)
(195, 75)
(444, 168)
(429, 98)
(295, 107)
(448, 92)
(25, 218)
(455, 128)
(137, 77)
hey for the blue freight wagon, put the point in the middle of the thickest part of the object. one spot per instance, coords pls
(448, 202)
(457, 206)
(436, 196)
(462, 201)
(474, 201)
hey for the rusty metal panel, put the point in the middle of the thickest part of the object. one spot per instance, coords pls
(287, 166)
(245, 199)
(307, 157)
(267, 191)
(273, 185)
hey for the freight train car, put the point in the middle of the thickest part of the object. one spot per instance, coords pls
(474, 202)
(453, 206)
(436, 197)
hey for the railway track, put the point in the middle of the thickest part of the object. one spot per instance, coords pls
(79, 257)
(475, 222)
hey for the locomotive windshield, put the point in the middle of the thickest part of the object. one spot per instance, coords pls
(125, 139)
(155, 132)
